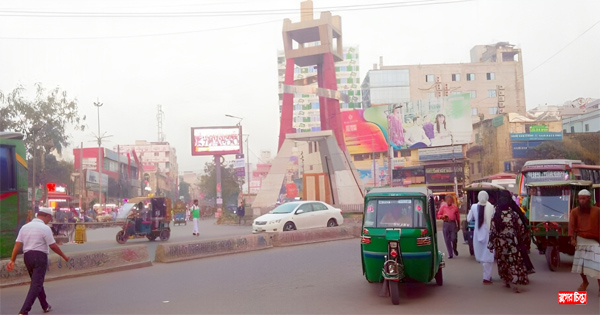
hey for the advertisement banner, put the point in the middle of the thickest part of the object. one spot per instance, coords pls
(216, 140)
(92, 181)
(409, 125)
(362, 136)
(539, 136)
(520, 149)
(443, 174)
(441, 153)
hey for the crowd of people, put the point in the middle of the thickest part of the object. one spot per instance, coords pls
(501, 235)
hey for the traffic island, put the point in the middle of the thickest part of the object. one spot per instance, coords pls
(79, 264)
(172, 252)
(309, 236)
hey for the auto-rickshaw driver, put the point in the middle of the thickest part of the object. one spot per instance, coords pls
(399, 215)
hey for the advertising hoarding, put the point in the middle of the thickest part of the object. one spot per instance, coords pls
(92, 180)
(409, 125)
(216, 140)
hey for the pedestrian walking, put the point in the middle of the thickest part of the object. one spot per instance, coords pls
(507, 234)
(449, 214)
(34, 238)
(584, 229)
(482, 213)
(196, 216)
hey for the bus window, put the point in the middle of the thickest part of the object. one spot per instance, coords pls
(8, 180)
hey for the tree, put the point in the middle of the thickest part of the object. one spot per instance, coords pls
(43, 120)
(566, 149)
(184, 190)
(57, 171)
(230, 183)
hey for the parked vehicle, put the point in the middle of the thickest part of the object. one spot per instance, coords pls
(549, 205)
(145, 217)
(399, 239)
(298, 215)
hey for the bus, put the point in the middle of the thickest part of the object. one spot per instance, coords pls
(13, 190)
(556, 170)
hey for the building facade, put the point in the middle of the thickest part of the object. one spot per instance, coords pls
(306, 106)
(493, 79)
(160, 166)
(120, 175)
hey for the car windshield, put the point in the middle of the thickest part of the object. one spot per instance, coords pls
(406, 212)
(285, 208)
(550, 204)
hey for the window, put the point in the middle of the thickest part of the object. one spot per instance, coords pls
(572, 129)
(394, 213)
(318, 206)
(155, 153)
(472, 94)
(493, 110)
(429, 78)
(470, 76)
(490, 76)
(478, 166)
(307, 207)
(491, 93)
(455, 92)
(472, 168)
(8, 180)
(456, 77)
(473, 111)
(587, 127)
(404, 153)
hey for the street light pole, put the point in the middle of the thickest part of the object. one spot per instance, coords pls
(98, 105)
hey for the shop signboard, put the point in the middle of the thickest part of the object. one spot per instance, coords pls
(440, 153)
(536, 136)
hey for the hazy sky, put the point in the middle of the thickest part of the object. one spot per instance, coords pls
(221, 58)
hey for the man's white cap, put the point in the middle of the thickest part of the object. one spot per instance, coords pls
(584, 192)
(46, 210)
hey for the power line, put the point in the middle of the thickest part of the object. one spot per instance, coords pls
(372, 6)
(567, 45)
(144, 35)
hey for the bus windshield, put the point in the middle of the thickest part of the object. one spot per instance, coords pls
(550, 204)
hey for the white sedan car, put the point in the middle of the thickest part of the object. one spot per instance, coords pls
(298, 215)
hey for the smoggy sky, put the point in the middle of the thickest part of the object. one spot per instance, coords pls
(220, 58)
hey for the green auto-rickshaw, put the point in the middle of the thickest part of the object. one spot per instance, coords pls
(399, 238)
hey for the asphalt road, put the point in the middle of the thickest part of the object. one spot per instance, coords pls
(104, 238)
(322, 278)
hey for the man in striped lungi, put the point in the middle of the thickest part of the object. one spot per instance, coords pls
(584, 229)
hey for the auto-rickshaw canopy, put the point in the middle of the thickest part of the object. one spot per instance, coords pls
(165, 212)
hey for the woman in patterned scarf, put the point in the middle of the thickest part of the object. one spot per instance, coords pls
(507, 234)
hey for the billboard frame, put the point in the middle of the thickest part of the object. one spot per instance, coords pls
(222, 152)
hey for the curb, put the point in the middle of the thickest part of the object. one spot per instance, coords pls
(301, 237)
(79, 264)
(172, 252)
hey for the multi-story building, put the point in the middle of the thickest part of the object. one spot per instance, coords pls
(306, 106)
(191, 178)
(160, 166)
(120, 174)
(502, 143)
(493, 79)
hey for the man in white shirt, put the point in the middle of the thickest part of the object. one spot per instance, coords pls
(35, 237)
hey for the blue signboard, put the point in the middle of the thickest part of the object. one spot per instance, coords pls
(539, 136)
(520, 149)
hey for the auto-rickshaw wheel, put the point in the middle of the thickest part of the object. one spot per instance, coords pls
(120, 237)
(553, 257)
(164, 235)
(395, 291)
(439, 277)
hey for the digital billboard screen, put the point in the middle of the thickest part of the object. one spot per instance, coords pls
(216, 140)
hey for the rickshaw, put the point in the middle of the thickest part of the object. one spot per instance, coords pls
(472, 192)
(399, 239)
(549, 205)
(147, 217)
(179, 213)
